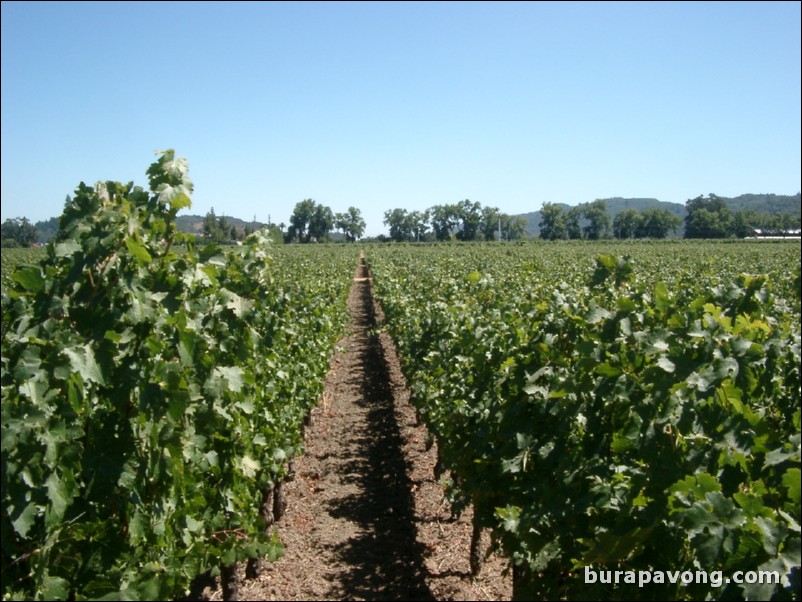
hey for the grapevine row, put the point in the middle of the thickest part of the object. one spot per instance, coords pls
(12, 258)
(622, 414)
(153, 394)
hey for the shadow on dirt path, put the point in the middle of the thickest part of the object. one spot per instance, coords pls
(385, 560)
(365, 518)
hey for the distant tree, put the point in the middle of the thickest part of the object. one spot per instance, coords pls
(17, 232)
(357, 223)
(419, 223)
(746, 221)
(788, 221)
(444, 220)
(572, 229)
(656, 223)
(209, 223)
(598, 219)
(46, 230)
(310, 222)
(351, 224)
(469, 215)
(552, 222)
(704, 224)
(299, 221)
(491, 218)
(215, 229)
(339, 222)
(625, 223)
(708, 218)
(321, 223)
(513, 227)
(398, 220)
(218, 229)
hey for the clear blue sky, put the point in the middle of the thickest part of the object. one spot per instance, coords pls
(384, 105)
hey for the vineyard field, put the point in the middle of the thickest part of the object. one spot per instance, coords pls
(630, 407)
(11, 259)
(153, 395)
(620, 406)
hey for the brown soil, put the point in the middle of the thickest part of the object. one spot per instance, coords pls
(365, 519)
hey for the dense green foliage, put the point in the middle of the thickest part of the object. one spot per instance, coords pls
(151, 394)
(749, 211)
(310, 222)
(616, 406)
(313, 222)
(466, 221)
(17, 233)
(556, 224)
(11, 259)
(217, 229)
(767, 203)
(350, 223)
(712, 217)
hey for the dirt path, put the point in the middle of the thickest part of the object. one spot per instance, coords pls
(365, 519)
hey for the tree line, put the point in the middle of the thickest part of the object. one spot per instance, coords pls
(310, 222)
(706, 217)
(465, 220)
(221, 230)
(313, 222)
(18, 232)
(591, 221)
(709, 217)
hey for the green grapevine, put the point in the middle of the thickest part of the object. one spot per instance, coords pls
(152, 392)
(626, 412)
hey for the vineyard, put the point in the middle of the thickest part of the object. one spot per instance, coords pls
(633, 412)
(152, 396)
(13, 259)
(623, 406)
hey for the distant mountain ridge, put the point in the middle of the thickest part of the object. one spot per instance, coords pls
(761, 203)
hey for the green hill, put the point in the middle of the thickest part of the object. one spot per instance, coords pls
(766, 203)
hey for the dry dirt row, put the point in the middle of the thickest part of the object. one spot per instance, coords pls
(365, 518)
